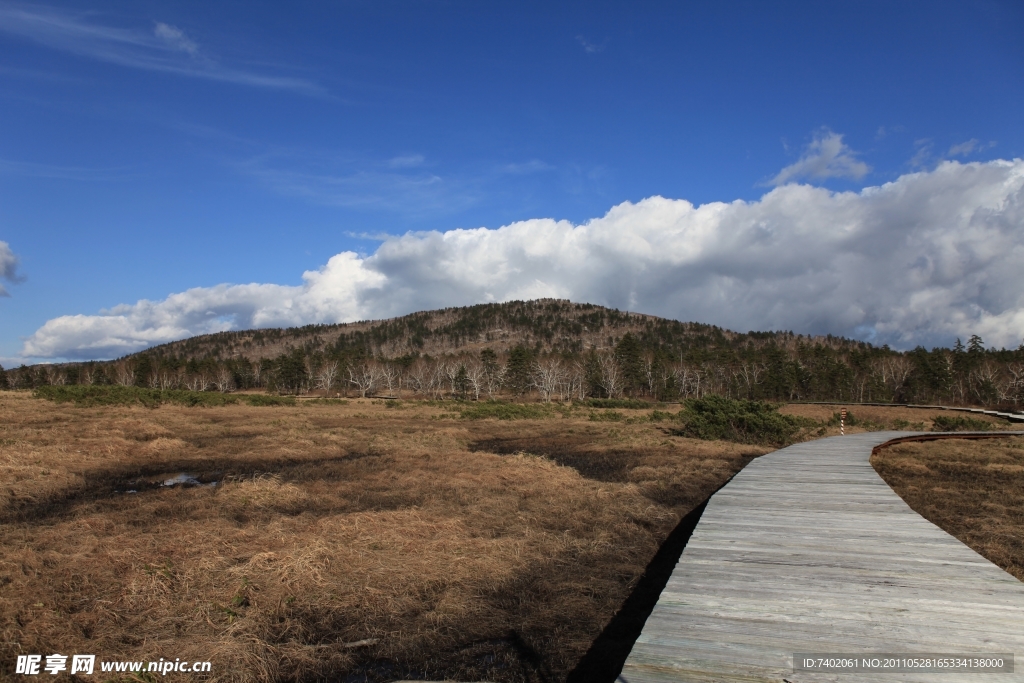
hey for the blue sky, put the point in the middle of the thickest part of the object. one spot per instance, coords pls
(152, 149)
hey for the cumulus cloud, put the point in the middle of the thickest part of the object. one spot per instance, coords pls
(923, 259)
(8, 267)
(826, 157)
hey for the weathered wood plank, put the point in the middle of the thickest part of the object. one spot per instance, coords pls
(808, 550)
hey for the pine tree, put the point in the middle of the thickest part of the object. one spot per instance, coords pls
(628, 355)
(517, 371)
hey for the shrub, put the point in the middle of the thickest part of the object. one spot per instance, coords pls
(92, 395)
(715, 418)
(268, 400)
(620, 403)
(507, 411)
(959, 423)
(851, 420)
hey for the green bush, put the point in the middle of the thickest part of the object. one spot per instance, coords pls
(268, 400)
(959, 423)
(620, 403)
(90, 395)
(715, 418)
(507, 411)
(851, 420)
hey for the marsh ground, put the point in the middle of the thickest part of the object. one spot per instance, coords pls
(349, 541)
(974, 490)
(344, 541)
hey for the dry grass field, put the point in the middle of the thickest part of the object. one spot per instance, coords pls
(973, 490)
(349, 541)
(877, 418)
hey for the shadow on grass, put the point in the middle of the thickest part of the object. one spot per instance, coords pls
(606, 656)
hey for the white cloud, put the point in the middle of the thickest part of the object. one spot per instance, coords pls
(526, 168)
(922, 157)
(166, 48)
(175, 38)
(928, 257)
(964, 148)
(8, 267)
(406, 161)
(826, 157)
(589, 47)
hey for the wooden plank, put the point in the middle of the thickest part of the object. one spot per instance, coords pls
(809, 550)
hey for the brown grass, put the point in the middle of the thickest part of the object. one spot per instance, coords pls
(463, 549)
(877, 418)
(974, 490)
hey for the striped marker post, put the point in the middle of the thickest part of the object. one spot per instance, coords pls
(842, 421)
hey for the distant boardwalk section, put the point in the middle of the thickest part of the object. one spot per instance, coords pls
(808, 550)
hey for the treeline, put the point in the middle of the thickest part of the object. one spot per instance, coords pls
(635, 366)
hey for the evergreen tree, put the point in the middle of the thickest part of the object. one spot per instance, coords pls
(592, 375)
(629, 356)
(461, 381)
(517, 371)
(143, 369)
(291, 371)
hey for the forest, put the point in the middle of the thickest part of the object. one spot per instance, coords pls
(555, 350)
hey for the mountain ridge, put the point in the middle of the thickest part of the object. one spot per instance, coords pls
(545, 325)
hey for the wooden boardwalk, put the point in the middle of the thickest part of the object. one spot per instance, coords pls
(809, 550)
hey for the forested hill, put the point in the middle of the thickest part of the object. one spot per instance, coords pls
(554, 349)
(543, 326)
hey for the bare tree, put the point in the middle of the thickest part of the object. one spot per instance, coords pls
(390, 374)
(197, 382)
(475, 376)
(166, 380)
(612, 380)
(549, 375)
(650, 369)
(577, 380)
(326, 375)
(452, 374)
(364, 376)
(750, 375)
(55, 376)
(257, 372)
(1015, 382)
(419, 377)
(223, 379)
(683, 377)
(124, 373)
(438, 378)
(899, 369)
(493, 378)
